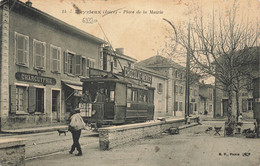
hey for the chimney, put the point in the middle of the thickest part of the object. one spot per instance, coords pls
(120, 50)
(28, 3)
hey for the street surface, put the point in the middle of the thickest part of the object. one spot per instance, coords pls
(41, 144)
(192, 147)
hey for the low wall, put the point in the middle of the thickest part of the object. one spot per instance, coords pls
(12, 152)
(116, 135)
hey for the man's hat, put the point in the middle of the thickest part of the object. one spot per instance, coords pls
(77, 109)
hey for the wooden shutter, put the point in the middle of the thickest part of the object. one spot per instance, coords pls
(12, 98)
(65, 62)
(58, 59)
(78, 65)
(32, 99)
(43, 55)
(87, 67)
(26, 50)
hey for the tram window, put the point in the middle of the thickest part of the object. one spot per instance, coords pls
(112, 95)
(134, 95)
(129, 94)
(142, 96)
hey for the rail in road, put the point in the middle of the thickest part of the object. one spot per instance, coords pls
(43, 144)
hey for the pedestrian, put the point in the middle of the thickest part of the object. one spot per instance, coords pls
(75, 126)
(239, 121)
(100, 97)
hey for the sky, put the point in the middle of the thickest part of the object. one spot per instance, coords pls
(135, 25)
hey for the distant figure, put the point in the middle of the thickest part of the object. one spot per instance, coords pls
(100, 97)
(239, 121)
(86, 97)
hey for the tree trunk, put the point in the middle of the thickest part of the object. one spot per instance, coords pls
(237, 104)
(230, 124)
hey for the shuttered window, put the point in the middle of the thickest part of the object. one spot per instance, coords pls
(72, 63)
(159, 87)
(39, 54)
(22, 49)
(78, 65)
(55, 58)
(18, 99)
(90, 64)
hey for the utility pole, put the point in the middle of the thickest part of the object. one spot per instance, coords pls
(187, 85)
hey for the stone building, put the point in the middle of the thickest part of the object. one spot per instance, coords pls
(245, 95)
(42, 62)
(175, 86)
(206, 93)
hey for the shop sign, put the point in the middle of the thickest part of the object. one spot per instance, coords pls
(35, 78)
(137, 75)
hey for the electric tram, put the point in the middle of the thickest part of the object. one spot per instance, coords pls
(116, 100)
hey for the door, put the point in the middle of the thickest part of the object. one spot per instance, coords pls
(225, 107)
(55, 105)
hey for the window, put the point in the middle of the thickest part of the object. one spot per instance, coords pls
(181, 90)
(90, 64)
(159, 87)
(21, 98)
(180, 106)
(39, 52)
(176, 106)
(22, 49)
(195, 92)
(250, 104)
(176, 74)
(40, 100)
(129, 93)
(55, 59)
(134, 95)
(181, 76)
(101, 57)
(115, 62)
(176, 89)
(72, 63)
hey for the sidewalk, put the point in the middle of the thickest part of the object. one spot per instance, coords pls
(54, 128)
(35, 130)
(191, 147)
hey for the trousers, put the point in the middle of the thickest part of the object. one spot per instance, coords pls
(75, 136)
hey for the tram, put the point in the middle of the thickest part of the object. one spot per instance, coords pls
(116, 100)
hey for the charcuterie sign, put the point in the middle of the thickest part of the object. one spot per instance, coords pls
(35, 78)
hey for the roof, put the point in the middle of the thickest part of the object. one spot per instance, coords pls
(159, 61)
(17, 5)
(120, 55)
(150, 71)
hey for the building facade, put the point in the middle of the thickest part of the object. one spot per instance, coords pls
(175, 86)
(42, 62)
(206, 93)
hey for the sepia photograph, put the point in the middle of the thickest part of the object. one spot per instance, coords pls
(129, 82)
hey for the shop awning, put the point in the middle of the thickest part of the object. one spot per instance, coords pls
(75, 87)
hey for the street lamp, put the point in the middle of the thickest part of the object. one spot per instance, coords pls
(187, 85)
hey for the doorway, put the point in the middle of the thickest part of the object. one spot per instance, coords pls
(225, 107)
(55, 106)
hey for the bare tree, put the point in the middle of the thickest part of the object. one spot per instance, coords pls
(223, 47)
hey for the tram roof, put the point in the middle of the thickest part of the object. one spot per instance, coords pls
(118, 79)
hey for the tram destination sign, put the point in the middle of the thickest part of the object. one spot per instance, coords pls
(137, 75)
(35, 78)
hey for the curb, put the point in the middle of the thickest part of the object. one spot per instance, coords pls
(34, 130)
(187, 126)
